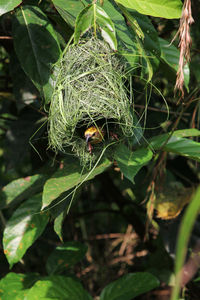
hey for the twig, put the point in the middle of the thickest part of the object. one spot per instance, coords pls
(6, 37)
(161, 110)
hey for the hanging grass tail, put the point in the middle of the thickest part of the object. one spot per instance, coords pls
(90, 91)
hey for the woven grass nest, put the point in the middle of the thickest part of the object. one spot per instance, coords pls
(89, 91)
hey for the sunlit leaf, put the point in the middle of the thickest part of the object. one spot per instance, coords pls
(187, 132)
(13, 283)
(69, 10)
(58, 287)
(93, 16)
(69, 176)
(157, 8)
(127, 44)
(19, 189)
(23, 228)
(177, 144)
(8, 5)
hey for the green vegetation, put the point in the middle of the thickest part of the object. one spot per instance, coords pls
(117, 219)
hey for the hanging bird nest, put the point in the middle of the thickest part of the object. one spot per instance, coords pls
(89, 91)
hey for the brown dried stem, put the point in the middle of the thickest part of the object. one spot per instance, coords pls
(184, 45)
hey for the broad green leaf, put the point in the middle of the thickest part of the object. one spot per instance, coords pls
(24, 90)
(41, 50)
(85, 21)
(106, 26)
(186, 227)
(23, 228)
(157, 8)
(65, 256)
(8, 5)
(158, 141)
(150, 40)
(12, 284)
(187, 132)
(20, 189)
(130, 162)
(139, 35)
(129, 286)
(58, 287)
(69, 10)
(170, 55)
(70, 176)
(177, 144)
(184, 147)
(125, 39)
(127, 44)
(93, 16)
(22, 294)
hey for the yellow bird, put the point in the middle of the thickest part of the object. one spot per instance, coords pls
(93, 135)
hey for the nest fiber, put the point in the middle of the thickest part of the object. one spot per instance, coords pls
(89, 90)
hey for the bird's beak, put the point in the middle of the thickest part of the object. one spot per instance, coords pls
(88, 138)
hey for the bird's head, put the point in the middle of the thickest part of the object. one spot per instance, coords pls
(94, 135)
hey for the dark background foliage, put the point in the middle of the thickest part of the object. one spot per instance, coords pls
(111, 231)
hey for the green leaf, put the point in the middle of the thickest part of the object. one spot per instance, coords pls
(186, 227)
(59, 213)
(93, 16)
(177, 144)
(8, 5)
(65, 256)
(20, 189)
(24, 90)
(157, 8)
(150, 40)
(130, 162)
(41, 50)
(170, 55)
(139, 35)
(187, 132)
(58, 287)
(58, 222)
(158, 141)
(12, 284)
(184, 147)
(68, 177)
(23, 228)
(127, 44)
(60, 210)
(69, 10)
(129, 286)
